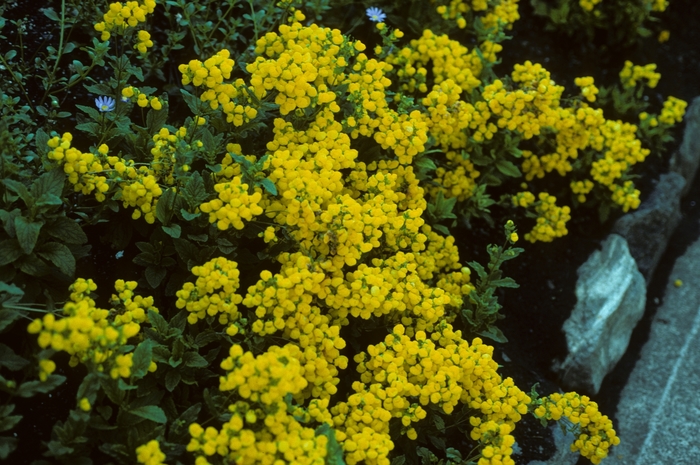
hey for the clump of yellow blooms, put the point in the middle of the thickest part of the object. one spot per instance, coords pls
(80, 167)
(232, 98)
(260, 429)
(596, 430)
(121, 16)
(658, 5)
(150, 453)
(492, 14)
(588, 89)
(144, 41)
(91, 335)
(214, 293)
(142, 99)
(673, 111)
(581, 188)
(551, 219)
(588, 5)
(361, 247)
(233, 205)
(631, 74)
(403, 375)
(46, 367)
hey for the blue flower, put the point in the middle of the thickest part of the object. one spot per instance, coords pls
(105, 104)
(375, 14)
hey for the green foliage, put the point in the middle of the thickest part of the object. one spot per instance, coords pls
(481, 310)
(620, 21)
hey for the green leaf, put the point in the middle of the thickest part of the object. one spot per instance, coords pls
(27, 233)
(66, 230)
(150, 412)
(191, 100)
(186, 250)
(508, 168)
(189, 216)
(59, 255)
(7, 317)
(33, 266)
(155, 119)
(155, 275)
(9, 251)
(173, 230)
(50, 13)
(269, 186)
(479, 269)
(21, 190)
(8, 422)
(172, 379)
(194, 192)
(89, 387)
(505, 282)
(164, 207)
(442, 229)
(179, 427)
(194, 360)
(111, 388)
(142, 359)
(10, 360)
(158, 322)
(439, 423)
(398, 460)
(7, 445)
(51, 183)
(425, 164)
(121, 384)
(30, 388)
(494, 334)
(334, 452)
(453, 454)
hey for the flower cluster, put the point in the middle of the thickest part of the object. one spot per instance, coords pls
(80, 167)
(233, 98)
(284, 303)
(91, 335)
(596, 430)
(632, 74)
(588, 89)
(260, 429)
(142, 98)
(233, 204)
(403, 375)
(214, 293)
(150, 453)
(588, 5)
(551, 219)
(673, 111)
(124, 15)
(491, 14)
(581, 188)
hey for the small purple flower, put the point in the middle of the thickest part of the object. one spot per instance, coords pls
(105, 104)
(375, 14)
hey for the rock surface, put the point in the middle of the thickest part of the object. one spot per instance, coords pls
(648, 229)
(685, 162)
(611, 295)
(657, 416)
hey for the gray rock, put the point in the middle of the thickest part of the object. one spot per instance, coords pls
(685, 162)
(648, 229)
(657, 416)
(611, 297)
